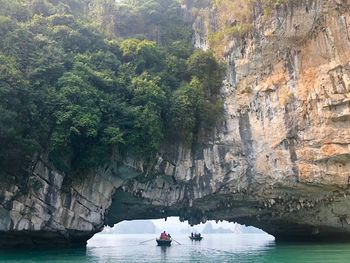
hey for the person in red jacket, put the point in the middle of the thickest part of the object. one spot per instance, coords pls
(163, 235)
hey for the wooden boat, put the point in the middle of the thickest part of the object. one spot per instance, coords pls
(164, 242)
(196, 238)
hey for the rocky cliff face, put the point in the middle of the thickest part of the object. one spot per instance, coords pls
(280, 161)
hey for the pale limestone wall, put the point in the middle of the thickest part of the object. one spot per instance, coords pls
(43, 205)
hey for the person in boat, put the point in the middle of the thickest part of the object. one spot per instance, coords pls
(169, 236)
(163, 236)
(192, 234)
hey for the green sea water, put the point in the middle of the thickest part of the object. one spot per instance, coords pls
(238, 248)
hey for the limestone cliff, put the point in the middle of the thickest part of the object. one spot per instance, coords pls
(279, 161)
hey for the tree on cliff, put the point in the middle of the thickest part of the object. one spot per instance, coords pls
(69, 92)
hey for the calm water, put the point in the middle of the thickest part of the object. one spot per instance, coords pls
(213, 248)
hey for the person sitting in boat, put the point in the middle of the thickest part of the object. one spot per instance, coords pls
(163, 236)
(168, 236)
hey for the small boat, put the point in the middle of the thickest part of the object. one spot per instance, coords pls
(196, 238)
(164, 242)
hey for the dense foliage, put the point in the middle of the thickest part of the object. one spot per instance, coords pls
(70, 92)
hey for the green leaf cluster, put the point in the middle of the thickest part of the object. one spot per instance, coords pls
(71, 93)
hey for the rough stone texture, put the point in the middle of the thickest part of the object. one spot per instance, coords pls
(280, 161)
(47, 213)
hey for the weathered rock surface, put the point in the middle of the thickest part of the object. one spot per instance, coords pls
(280, 161)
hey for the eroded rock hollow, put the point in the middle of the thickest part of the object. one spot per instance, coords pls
(280, 161)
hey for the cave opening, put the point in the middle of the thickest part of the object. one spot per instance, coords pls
(178, 229)
(137, 238)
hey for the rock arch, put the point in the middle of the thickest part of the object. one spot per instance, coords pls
(280, 161)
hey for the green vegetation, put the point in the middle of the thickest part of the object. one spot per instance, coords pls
(79, 88)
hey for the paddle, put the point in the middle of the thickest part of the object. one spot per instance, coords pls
(146, 241)
(176, 241)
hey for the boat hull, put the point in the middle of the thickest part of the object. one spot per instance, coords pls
(164, 243)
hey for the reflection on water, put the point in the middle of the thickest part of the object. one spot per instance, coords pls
(213, 248)
(163, 252)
